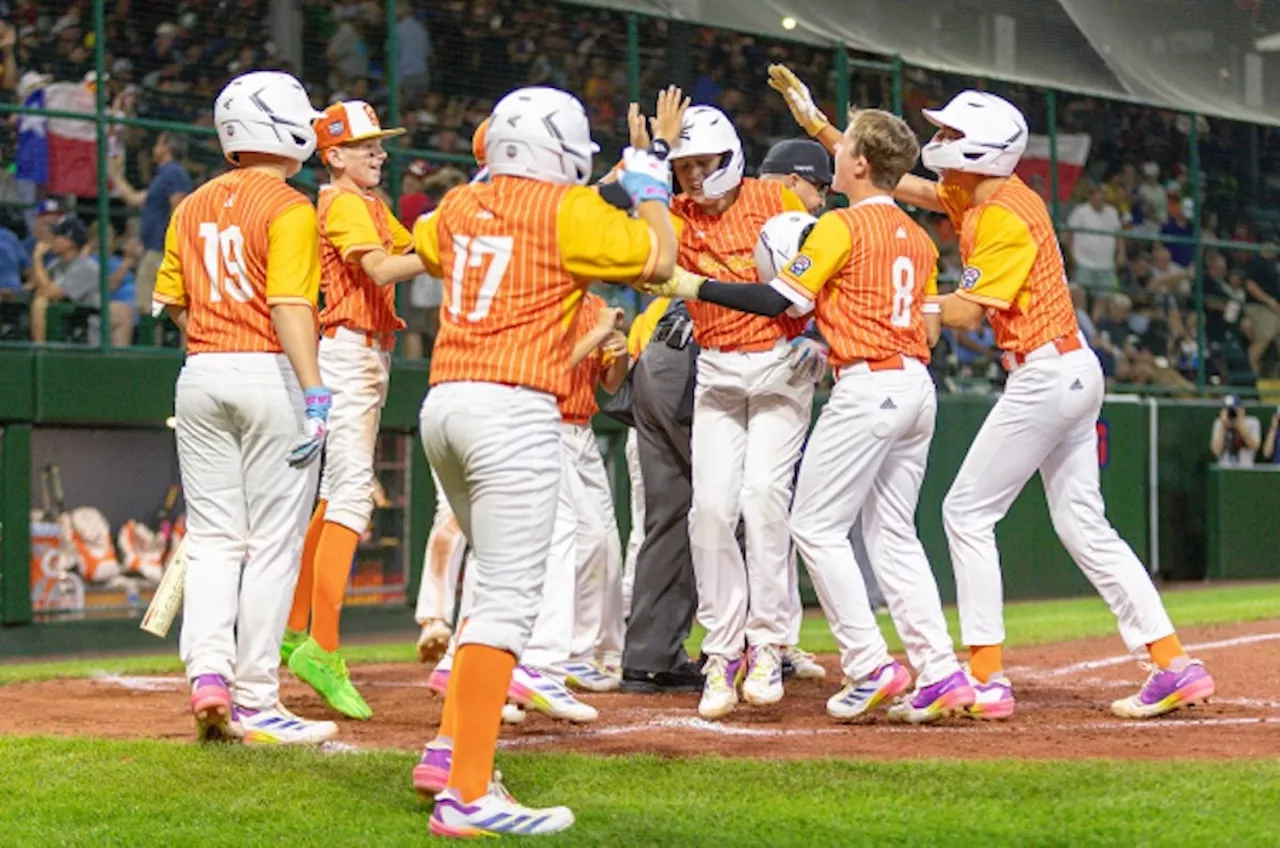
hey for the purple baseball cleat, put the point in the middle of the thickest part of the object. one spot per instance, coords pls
(951, 695)
(1166, 690)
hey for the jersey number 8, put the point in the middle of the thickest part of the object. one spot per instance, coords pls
(904, 287)
(224, 249)
(470, 253)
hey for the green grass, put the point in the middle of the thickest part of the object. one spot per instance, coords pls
(1027, 623)
(84, 792)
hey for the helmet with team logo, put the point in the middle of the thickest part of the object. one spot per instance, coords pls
(708, 132)
(994, 135)
(779, 242)
(265, 112)
(540, 133)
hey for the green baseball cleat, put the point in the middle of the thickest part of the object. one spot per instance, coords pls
(293, 640)
(326, 672)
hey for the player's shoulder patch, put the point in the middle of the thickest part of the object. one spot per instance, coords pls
(969, 278)
(799, 265)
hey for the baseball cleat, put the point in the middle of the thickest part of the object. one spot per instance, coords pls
(763, 684)
(326, 672)
(804, 664)
(1166, 690)
(993, 700)
(513, 714)
(591, 677)
(291, 642)
(859, 697)
(494, 814)
(438, 682)
(720, 686)
(952, 695)
(532, 690)
(431, 774)
(211, 706)
(433, 641)
(278, 726)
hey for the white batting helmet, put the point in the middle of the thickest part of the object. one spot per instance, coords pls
(706, 132)
(540, 133)
(995, 135)
(780, 240)
(265, 112)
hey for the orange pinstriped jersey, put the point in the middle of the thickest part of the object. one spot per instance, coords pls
(866, 271)
(722, 247)
(516, 256)
(580, 404)
(239, 244)
(1013, 265)
(351, 225)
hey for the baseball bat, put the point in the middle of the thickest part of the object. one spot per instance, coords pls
(167, 600)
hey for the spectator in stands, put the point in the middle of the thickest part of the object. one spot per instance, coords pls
(1262, 284)
(73, 277)
(121, 264)
(347, 53)
(14, 262)
(1236, 436)
(1269, 443)
(48, 212)
(1168, 277)
(1153, 200)
(162, 52)
(414, 56)
(413, 197)
(168, 186)
(1224, 300)
(8, 55)
(1096, 255)
(423, 314)
(1179, 226)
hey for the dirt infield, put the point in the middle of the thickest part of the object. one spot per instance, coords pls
(1063, 695)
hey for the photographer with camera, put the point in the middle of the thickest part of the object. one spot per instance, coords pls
(1236, 436)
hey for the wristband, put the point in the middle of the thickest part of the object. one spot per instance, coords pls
(931, 308)
(660, 148)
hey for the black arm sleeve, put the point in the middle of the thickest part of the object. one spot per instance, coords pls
(756, 298)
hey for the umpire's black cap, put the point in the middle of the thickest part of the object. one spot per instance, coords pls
(803, 157)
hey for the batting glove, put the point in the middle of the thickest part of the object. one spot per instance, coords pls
(318, 402)
(645, 176)
(808, 358)
(799, 100)
(682, 284)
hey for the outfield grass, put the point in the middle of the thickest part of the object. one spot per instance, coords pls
(85, 792)
(1027, 623)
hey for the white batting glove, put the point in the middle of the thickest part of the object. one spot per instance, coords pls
(799, 100)
(645, 176)
(808, 358)
(318, 401)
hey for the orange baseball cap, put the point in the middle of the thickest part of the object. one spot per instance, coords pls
(477, 141)
(348, 122)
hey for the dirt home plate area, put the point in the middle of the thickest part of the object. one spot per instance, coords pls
(1064, 691)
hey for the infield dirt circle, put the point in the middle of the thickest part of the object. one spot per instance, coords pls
(1064, 693)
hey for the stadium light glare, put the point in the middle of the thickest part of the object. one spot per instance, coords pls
(788, 22)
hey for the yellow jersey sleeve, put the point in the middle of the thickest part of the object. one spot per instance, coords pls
(598, 241)
(1003, 254)
(642, 328)
(426, 242)
(954, 201)
(349, 227)
(293, 256)
(170, 288)
(824, 253)
(791, 201)
(401, 238)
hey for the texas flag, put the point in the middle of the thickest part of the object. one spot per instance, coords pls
(1073, 152)
(73, 144)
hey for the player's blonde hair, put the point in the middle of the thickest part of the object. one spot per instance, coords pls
(888, 143)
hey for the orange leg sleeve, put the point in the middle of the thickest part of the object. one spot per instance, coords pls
(333, 568)
(984, 661)
(1165, 650)
(481, 675)
(300, 612)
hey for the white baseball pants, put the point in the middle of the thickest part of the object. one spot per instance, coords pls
(636, 537)
(599, 626)
(441, 562)
(497, 452)
(1046, 420)
(749, 421)
(357, 375)
(238, 416)
(868, 453)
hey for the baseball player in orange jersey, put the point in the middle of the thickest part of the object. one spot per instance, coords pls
(750, 418)
(240, 275)
(869, 274)
(515, 254)
(362, 248)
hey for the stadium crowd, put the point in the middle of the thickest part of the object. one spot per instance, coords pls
(1136, 296)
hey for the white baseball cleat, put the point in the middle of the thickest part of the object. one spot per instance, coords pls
(859, 697)
(763, 685)
(720, 687)
(533, 690)
(278, 726)
(494, 814)
(591, 677)
(433, 640)
(804, 664)
(512, 714)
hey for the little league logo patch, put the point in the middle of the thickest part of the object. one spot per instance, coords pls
(335, 128)
(970, 277)
(799, 265)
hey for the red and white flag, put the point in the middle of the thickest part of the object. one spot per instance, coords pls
(1073, 152)
(73, 144)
